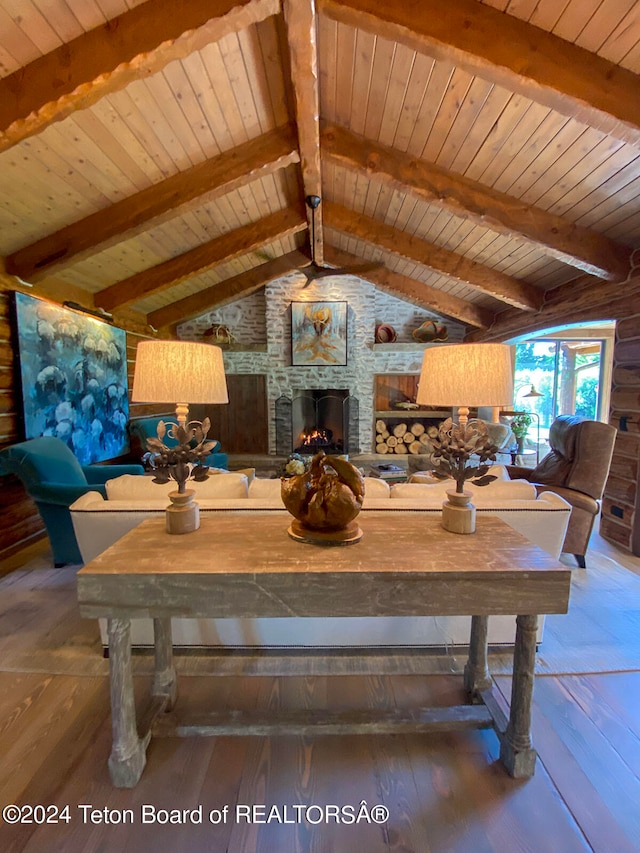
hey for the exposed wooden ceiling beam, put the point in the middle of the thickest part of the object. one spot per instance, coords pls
(217, 251)
(577, 301)
(303, 50)
(489, 281)
(508, 51)
(415, 291)
(226, 291)
(579, 247)
(162, 201)
(133, 45)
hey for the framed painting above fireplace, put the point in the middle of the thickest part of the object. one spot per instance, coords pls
(319, 334)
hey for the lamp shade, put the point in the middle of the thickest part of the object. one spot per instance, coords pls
(178, 371)
(466, 375)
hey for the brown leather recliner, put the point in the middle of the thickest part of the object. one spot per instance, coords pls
(576, 468)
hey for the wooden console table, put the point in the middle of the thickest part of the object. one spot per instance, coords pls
(405, 565)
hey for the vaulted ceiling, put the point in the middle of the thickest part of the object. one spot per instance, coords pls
(155, 156)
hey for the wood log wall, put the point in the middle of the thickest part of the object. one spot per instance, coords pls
(21, 523)
(620, 522)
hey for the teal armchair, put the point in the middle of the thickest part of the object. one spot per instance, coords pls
(54, 479)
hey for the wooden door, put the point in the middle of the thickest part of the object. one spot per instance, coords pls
(242, 425)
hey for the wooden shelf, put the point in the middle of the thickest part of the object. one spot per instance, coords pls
(414, 413)
(414, 346)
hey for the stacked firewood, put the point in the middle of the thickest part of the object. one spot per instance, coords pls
(402, 438)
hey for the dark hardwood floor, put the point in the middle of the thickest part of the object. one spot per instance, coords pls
(443, 793)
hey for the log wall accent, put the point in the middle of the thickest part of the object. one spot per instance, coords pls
(620, 522)
(21, 523)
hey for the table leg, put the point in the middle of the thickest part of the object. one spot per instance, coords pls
(128, 752)
(476, 671)
(516, 751)
(165, 683)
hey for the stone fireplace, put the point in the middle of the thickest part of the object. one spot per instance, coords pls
(261, 324)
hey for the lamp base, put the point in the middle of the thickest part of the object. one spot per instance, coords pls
(183, 514)
(458, 515)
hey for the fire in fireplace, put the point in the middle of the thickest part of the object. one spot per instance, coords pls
(316, 439)
(320, 421)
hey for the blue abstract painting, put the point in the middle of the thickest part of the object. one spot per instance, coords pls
(74, 379)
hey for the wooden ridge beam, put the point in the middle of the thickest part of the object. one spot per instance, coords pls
(205, 181)
(583, 300)
(220, 250)
(226, 291)
(135, 44)
(482, 278)
(579, 247)
(509, 52)
(300, 18)
(414, 291)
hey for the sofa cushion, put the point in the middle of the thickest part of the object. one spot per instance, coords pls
(250, 473)
(426, 477)
(266, 489)
(375, 487)
(132, 488)
(231, 485)
(429, 495)
(270, 489)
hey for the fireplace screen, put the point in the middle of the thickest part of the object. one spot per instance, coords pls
(317, 420)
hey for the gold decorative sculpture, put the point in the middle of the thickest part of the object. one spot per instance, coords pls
(325, 501)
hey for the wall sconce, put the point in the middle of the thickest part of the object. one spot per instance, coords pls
(100, 313)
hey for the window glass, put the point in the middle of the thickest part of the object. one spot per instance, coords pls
(557, 377)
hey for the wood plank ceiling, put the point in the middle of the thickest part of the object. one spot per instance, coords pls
(155, 156)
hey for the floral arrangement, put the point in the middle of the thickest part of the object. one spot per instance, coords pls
(454, 445)
(296, 464)
(520, 425)
(182, 461)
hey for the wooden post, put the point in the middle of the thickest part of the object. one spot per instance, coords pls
(165, 682)
(128, 756)
(476, 670)
(516, 752)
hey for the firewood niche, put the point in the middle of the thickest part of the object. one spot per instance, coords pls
(400, 425)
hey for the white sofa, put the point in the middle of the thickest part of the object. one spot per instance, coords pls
(98, 523)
